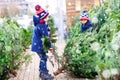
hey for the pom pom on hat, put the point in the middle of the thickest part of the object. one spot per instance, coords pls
(84, 15)
(37, 7)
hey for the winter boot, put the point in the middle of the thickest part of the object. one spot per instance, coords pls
(46, 76)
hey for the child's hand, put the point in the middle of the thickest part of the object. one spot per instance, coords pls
(51, 50)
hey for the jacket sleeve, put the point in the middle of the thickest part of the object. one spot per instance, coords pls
(90, 27)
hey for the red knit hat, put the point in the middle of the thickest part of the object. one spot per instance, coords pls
(41, 12)
(38, 9)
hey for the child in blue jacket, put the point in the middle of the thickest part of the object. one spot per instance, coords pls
(86, 24)
(40, 30)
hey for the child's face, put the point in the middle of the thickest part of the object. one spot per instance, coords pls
(83, 21)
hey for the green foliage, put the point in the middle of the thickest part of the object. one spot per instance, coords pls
(50, 21)
(46, 43)
(88, 54)
(53, 39)
(80, 57)
(52, 30)
(26, 36)
(12, 44)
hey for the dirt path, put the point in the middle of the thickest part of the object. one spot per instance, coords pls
(31, 72)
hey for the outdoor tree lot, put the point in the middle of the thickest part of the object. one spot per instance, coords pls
(93, 54)
(14, 39)
(96, 54)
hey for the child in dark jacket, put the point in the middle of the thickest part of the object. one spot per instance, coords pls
(40, 30)
(86, 24)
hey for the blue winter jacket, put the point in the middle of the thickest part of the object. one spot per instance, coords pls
(39, 30)
(86, 26)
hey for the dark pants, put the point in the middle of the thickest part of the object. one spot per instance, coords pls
(43, 62)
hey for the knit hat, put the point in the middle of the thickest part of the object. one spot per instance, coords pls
(84, 15)
(41, 12)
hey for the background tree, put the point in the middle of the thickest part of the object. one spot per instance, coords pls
(9, 10)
